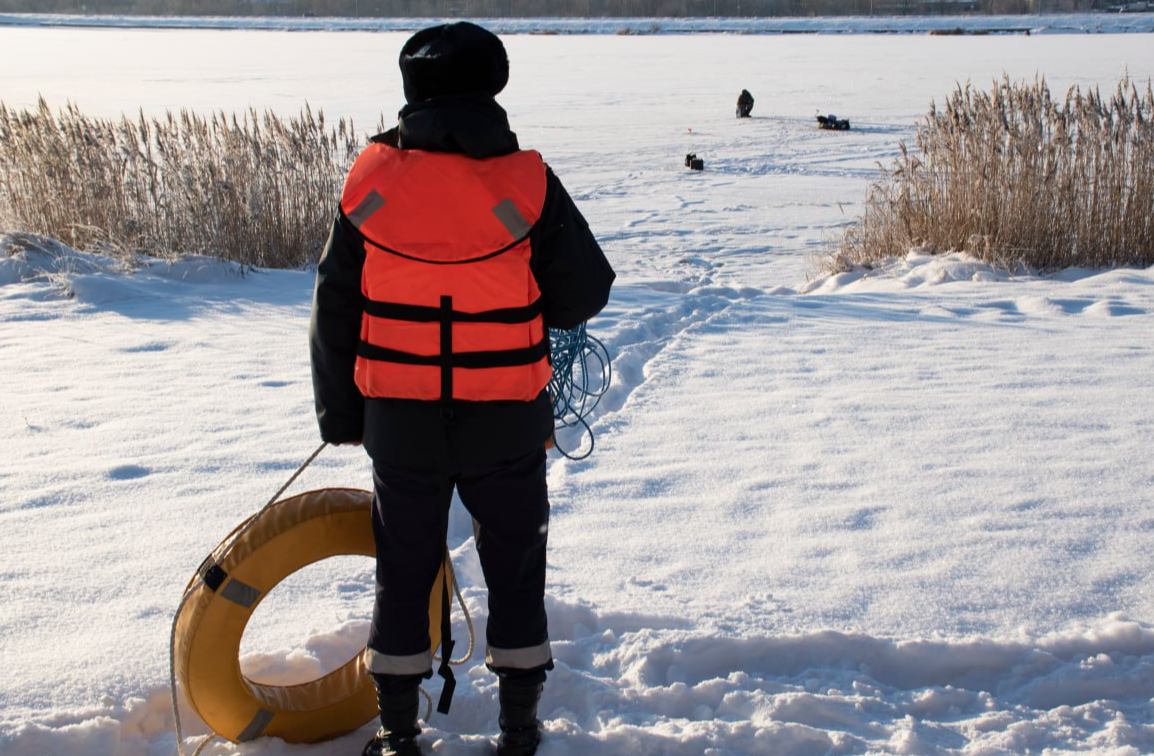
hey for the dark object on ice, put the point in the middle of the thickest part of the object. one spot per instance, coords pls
(694, 162)
(744, 104)
(832, 122)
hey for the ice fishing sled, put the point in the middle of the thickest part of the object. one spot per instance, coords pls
(832, 123)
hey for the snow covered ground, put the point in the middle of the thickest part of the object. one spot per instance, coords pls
(905, 512)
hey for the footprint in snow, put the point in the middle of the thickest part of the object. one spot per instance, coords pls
(650, 584)
(128, 472)
(154, 346)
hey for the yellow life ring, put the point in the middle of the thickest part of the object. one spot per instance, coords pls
(287, 536)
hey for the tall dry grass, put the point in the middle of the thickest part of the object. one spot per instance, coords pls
(1018, 178)
(252, 188)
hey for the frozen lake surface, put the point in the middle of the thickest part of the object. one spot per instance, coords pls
(1038, 23)
(900, 513)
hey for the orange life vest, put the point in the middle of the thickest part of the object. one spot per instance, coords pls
(452, 310)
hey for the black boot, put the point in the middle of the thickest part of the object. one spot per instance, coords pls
(398, 704)
(520, 730)
(390, 744)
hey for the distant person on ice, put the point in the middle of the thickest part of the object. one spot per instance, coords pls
(452, 252)
(744, 104)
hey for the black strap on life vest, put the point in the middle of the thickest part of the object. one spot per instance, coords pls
(447, 359)
(423, 314)
(499, 358)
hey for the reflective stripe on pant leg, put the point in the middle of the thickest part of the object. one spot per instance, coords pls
(388, 664)
(519, 658)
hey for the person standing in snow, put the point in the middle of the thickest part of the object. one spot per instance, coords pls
(452, 252)
(744, 104)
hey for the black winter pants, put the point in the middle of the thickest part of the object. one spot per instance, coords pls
(509, 502)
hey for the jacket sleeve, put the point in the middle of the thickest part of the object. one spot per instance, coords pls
(570, 268)
(334, 333)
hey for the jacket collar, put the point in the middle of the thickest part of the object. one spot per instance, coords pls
(471, 124)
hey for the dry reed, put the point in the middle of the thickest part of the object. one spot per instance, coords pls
(252, 188)
(1016, 179)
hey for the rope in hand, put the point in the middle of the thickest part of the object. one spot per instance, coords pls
(581, 376)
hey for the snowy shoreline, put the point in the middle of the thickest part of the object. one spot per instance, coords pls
(1055, 23)
(727, 674)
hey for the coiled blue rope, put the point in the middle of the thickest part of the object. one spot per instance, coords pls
(581, 376)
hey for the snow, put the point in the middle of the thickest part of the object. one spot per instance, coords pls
(903, 510)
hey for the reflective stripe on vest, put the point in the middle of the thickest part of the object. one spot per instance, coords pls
(452, 310)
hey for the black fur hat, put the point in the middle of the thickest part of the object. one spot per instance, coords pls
(457, 58)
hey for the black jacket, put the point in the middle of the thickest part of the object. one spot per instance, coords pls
(571, 271)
